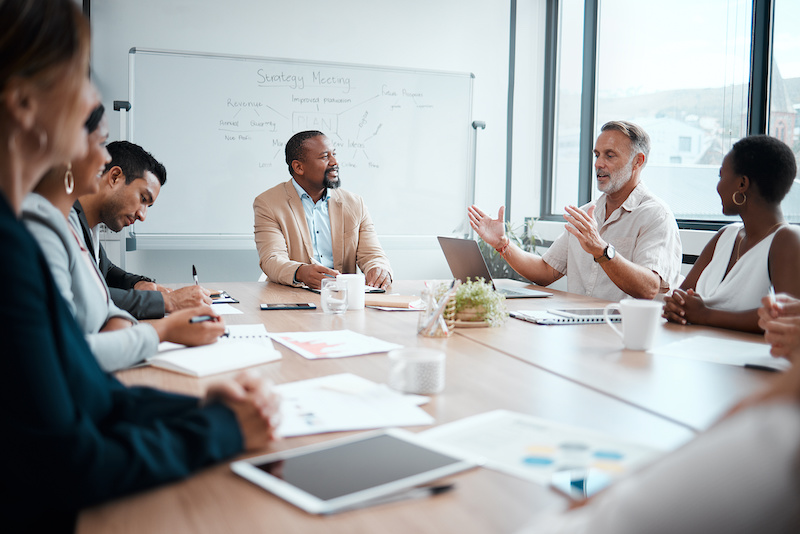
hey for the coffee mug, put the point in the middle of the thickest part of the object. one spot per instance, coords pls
(417, 370)
(640, 320)
(355, 290)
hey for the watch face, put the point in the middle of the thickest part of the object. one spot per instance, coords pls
(610, 252)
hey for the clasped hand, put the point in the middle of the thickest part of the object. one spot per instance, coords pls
(684, 307)
(256, 405)
(781, 324)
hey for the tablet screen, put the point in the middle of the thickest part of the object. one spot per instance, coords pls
(356, 466)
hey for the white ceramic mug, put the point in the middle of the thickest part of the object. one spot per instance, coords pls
(355, 290)
(640, 320)
(417, 370)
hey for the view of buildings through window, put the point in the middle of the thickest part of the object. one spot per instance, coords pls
(681, 71)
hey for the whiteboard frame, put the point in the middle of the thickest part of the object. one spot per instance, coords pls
(244, 241)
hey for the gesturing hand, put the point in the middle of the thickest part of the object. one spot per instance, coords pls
(582, 225)
(490, 230)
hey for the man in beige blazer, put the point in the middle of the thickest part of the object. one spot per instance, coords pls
(307, 228)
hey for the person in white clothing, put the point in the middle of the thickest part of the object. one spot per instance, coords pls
(741, 262)
(625, 243)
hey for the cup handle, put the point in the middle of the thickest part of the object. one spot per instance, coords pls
(609, 307)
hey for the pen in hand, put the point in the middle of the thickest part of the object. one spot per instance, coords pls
(194, 275)
(203, 319)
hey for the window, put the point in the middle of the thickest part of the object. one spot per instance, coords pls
(682, 71)
(784, 101)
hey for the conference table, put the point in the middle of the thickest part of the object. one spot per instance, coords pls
(576, 375)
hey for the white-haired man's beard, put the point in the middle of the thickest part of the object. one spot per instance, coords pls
(617, 180)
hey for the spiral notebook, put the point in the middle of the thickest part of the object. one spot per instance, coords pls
(566, 316)
(244, 345)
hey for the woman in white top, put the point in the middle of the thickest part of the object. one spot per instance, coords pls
(737, 267)
(115, 337)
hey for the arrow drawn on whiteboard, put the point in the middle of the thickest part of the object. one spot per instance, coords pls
(376, 133)
(361, 104)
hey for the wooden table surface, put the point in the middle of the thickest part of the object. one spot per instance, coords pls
(576, 375)
(689, 392)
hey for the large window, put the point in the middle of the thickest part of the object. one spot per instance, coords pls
(680, 69)
(784, 102)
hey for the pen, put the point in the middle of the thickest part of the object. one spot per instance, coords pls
(194, 275)
(761, 367)
(414, 493)
(203, 318)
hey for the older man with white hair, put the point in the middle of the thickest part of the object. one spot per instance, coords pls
(624, 243)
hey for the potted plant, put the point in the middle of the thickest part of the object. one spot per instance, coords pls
(477, 302)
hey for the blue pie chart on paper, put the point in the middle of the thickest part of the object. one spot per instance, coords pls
(537, 460)
(608, 455)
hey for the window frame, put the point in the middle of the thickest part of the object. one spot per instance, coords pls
(757, 113)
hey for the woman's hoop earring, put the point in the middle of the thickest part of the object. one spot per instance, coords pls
(744, 198)
(41, 139)
(69, 179)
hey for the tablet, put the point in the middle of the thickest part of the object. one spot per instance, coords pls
(342, 473)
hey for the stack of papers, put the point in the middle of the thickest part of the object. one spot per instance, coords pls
(245, 346)
(332, 344)
(345, 402)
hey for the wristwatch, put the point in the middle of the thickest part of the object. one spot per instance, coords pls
(607, 255)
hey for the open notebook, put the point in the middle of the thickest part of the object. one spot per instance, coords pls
(244, 346)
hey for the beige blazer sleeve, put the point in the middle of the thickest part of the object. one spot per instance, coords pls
(281, 233)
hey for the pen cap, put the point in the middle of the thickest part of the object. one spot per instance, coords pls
(355, 290)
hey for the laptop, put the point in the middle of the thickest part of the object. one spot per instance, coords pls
(466, 261)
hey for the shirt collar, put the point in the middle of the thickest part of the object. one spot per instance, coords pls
(302, 192)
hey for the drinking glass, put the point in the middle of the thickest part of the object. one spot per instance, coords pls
(333, 295)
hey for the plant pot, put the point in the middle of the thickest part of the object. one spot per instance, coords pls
(471, 317)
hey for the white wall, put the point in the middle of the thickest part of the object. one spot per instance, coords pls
(453, 35)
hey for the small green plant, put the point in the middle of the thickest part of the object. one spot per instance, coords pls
(479, 296)
(522, 236)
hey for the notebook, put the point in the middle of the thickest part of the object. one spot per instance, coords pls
(244, 346)
(567, 316)
(466, 261)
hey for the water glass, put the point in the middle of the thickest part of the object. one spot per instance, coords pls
(333, 295)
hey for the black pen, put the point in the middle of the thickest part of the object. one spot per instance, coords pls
(203, 318)
(761, 367)
(194, 275)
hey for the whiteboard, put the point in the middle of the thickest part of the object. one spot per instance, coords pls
(403, 138)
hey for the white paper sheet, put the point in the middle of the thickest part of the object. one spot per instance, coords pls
(725, 351)
(345, 402)
(332, 343)
(534, 449)
(225, 309)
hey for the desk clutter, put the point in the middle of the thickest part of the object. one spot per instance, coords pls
(411, 391)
